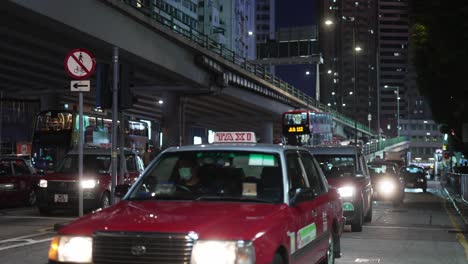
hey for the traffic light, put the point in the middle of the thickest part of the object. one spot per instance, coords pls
(126, 97)
(103, 86)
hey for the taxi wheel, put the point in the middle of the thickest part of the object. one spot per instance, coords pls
(31, 199)
(105, 201)
(278, 259)
(330, 255)
(424, 189)
(44, 210)
(368, 217)
(356, 226)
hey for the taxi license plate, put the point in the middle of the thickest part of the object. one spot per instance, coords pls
(410, 185)
(61, 198)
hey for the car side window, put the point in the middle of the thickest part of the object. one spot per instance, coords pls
(296, 178)
(313, 175)
(5, 168)
(20, 168)
(130, 160)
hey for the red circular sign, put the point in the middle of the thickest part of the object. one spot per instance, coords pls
(80, 64)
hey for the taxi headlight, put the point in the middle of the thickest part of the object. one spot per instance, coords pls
(386, 186)
(88, 184)
(43, 183)
(420, 180)
(74, 249)
(223, 252)
(346, 191)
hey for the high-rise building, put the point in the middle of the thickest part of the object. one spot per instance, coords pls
(265, 20)
(184, 11)
(394, 63)
(230, 23)
(348, 36)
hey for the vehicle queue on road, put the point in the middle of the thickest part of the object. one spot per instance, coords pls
(253, 203)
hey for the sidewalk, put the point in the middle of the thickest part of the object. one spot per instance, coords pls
(458, 203)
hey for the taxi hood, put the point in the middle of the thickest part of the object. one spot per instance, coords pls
(210, 220)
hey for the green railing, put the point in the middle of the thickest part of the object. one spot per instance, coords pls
(156, 11)
(375, 146)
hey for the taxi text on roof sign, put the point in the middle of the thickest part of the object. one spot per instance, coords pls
(235, 137)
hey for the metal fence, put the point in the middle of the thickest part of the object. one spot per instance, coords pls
(458, 182)
(159, 12)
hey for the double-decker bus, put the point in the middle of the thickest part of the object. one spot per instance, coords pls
(305, 127)
(57, 131)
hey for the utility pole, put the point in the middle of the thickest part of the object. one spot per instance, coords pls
(115, 117)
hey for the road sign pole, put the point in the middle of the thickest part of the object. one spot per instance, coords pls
(80, 156)
(115, 88)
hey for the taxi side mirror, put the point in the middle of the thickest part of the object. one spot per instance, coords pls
(121, 190)
(300, 195)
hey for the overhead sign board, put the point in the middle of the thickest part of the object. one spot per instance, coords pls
(80, 86)
(80, 64)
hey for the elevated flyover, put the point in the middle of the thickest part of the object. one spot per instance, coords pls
(210, 87)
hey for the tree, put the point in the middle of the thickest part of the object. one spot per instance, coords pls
(439, 36)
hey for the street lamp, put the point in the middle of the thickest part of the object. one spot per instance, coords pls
(356, 50)
(397, 92)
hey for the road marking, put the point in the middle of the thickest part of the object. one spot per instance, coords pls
(21, 237)
(460, 236)
(32, 242)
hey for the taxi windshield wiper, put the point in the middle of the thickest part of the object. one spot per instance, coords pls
(231, 198)
(160, 197)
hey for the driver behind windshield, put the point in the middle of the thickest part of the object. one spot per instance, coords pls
(189, 178)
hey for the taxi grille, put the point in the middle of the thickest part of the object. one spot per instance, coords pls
(64, 186)
(141, 248)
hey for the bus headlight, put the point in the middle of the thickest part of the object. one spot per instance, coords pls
(88, 184)
(74, 249)
(346, 191)
(223, 252)
(43, 183)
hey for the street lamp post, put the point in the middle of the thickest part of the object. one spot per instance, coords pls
(355, 50)
(397, 92)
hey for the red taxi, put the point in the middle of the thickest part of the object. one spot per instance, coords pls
(220, 203)
(59, 190)
(18, 182)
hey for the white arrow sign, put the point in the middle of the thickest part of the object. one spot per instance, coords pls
(80, 86)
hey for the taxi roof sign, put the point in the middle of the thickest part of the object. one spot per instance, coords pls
(234, 137)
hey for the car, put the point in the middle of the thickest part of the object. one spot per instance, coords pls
(18, 182)
(345, 169)
(59, 190)
(387, 185)
(414, 177)
(233, 201)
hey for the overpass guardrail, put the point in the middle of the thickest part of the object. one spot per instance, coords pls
(374, 146)
(168, 17)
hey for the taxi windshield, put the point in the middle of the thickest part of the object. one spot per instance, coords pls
(91, 164)
(214, 176)
(337, 166)
(377, 170)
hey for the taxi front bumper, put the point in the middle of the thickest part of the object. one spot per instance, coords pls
(59, 199)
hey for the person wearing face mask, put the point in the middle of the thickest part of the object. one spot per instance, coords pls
(189, 178)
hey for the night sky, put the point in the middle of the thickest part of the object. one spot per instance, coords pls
(296, 13)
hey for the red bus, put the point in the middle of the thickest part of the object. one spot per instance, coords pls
(56, 132)
(305, 127)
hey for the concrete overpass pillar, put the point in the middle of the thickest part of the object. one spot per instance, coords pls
(171, 121)
(267, 133)
(50, 101)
